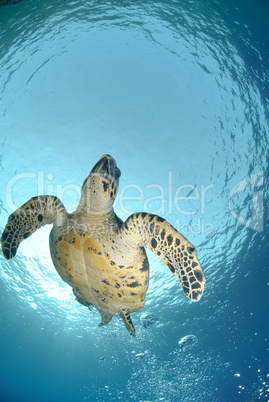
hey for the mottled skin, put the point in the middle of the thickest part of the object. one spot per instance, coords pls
(99, 256)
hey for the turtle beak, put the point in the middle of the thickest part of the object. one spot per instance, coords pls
(107, 166)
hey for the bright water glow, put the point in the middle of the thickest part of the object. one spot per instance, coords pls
(177, 93)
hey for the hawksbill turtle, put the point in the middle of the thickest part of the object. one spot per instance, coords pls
(101, 257)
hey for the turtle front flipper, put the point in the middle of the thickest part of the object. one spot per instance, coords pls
(37, 212)
(124, 314)
(156, 234)
(106, 317)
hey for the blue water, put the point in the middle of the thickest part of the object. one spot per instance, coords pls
(177, 92)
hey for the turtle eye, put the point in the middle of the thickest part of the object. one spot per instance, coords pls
(191, 250)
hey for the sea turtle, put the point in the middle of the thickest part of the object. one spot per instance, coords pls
(101, 257)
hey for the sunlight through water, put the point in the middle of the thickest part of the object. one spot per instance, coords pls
(177, 92)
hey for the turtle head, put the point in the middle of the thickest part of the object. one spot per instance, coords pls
(100, 188)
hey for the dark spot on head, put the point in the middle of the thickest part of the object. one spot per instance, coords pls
(119, 295)
(26, 234)
(190, 249)
(111, 194)
(153, 243)
(159, 219)
(169, 240)
(163, 234)
(177, 242)
(194, 264)
(105, 185)
(40, 217)
(143, 214)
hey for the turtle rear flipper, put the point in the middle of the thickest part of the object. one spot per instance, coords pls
(37, 212)
(124, 314)
(80, 299)
(106, 318)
